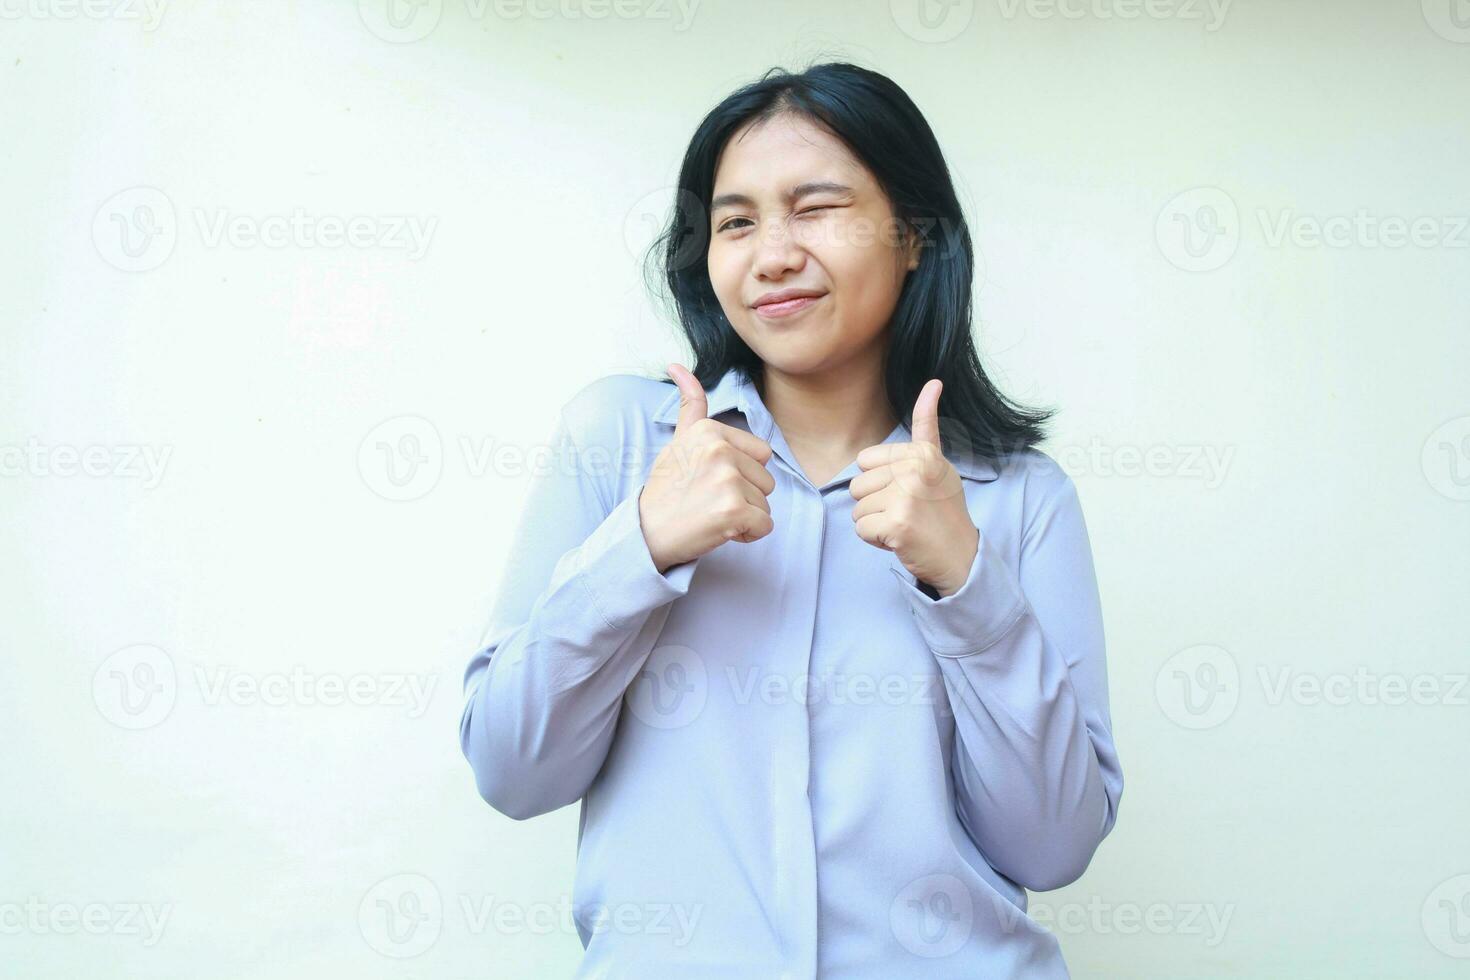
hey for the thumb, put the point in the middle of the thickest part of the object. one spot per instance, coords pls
(926, 413)
(692, 403)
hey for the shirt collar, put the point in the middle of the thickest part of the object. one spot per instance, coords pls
(733, 391)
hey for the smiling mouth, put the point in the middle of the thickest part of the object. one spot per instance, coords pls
(787, 307)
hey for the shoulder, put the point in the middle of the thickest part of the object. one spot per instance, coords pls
(614, 409)
(631, 397)
(1038, 479)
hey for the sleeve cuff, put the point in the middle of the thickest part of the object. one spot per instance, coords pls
(974, 617)
(617, 570)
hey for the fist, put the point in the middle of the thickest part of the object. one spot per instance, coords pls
(707, 486)
(911, 501)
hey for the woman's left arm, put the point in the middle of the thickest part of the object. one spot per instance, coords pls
(1036, 774)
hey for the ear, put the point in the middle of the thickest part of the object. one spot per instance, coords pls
(913, 246)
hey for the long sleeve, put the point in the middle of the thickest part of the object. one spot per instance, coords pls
(1036, 775)
(578, 611)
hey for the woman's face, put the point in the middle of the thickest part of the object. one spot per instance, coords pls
(793, 209)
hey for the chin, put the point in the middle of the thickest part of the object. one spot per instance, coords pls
(797, 358)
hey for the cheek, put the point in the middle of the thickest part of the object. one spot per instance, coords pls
(862, 274)
(724, 274)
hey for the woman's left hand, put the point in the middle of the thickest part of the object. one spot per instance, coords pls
(910, 501)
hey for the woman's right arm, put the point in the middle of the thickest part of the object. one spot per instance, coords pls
(579, 609)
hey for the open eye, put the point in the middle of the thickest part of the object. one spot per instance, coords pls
(812, 210)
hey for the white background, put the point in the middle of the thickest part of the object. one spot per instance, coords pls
(260, 818)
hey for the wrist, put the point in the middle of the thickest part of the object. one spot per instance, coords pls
(660, 563)
(956, 581)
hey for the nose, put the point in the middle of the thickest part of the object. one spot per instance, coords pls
(777, 252)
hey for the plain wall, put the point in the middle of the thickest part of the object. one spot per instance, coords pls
(207, 440)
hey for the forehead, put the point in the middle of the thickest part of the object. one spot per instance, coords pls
(781, 152)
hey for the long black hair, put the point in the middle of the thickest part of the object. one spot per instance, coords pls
(930, 331)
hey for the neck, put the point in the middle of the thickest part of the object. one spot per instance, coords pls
(843, 410)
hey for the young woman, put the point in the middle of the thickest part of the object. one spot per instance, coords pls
(814, 634)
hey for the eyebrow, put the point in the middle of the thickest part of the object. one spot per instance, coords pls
(794, 194)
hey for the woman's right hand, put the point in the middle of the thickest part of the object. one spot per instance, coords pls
(707, 486)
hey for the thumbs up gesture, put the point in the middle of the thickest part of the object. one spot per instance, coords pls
(707, 486)
(910, 501)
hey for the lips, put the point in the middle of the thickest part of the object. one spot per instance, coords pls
(786, 307)
(782, 295)
(784, 302)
